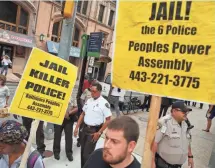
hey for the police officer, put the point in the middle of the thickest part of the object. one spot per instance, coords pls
(67, 126)
(95, 110)
(171, 146)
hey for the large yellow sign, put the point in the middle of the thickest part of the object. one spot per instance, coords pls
(166, 49)
(45, 88)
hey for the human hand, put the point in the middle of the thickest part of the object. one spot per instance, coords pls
(67, 116)
(96, 136)
(75, 132)
(190, 162)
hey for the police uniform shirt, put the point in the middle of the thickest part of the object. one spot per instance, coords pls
(96, 110)
(173, 140)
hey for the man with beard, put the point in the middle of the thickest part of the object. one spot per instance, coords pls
(171, 146)
(121, 138)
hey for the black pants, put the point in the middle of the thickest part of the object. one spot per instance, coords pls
(163, 110)
(147, 102)
(187, 103)
(201, 105)
(160, 163)
(39, 134)
(67, 126)
(80, 132)
(194, 104)
(87, 145)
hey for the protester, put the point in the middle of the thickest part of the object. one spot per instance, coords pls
(173, 139)
(5, 64)
(4, 92)
(67, 126)
(210, 115)
(12, 146)
(95, 111)
(121, 139)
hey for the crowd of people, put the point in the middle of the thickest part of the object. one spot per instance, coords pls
(93, 116)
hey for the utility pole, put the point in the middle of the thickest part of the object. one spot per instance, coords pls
(64, 51)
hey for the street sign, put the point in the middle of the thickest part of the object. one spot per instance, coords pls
(91, 61)
(45, 88)
(90, 70)
(95, 43)
(166, 49)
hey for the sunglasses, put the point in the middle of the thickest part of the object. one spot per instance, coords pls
(182, 111)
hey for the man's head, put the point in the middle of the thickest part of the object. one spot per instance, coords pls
(96, 89)
(121, 138)
(12, 135)
(90, 79)
(180, 111)
(2, 80)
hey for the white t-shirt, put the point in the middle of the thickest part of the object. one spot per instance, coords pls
(4, 162)
(115, 92)
(96, 111)
(6, 61)
(4, 92)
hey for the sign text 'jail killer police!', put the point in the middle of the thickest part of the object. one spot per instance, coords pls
(166, 49)
(45, 88)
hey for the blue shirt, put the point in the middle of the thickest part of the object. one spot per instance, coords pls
(4, 162)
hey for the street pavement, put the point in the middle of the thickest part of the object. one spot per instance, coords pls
(202, 142)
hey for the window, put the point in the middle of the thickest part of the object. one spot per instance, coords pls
(84, 10)
(79, 6)
(13, 17)
(76, 37)
(101, 13)
(105, 36)
(110, 21)
(8, 11)
(23, 18)
(56, 31)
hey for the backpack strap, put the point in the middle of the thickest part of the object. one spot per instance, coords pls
(33, 158)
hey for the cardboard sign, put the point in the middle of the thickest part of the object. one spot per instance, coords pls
(45, 88)
(166, 49)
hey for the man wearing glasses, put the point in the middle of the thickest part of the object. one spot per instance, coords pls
(96, 115)
(172, 146)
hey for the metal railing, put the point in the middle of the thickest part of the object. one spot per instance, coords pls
(13, 27)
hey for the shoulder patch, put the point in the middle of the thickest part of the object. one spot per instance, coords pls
(107, 105)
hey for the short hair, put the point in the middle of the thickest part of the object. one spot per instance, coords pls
(3, 79)
(97, 85)
(128, 125)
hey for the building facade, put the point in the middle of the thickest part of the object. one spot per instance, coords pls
(27, 24)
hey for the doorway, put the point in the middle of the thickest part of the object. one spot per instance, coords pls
(6, 50)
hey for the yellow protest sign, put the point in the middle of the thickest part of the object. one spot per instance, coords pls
(166, 48)
(45, 88)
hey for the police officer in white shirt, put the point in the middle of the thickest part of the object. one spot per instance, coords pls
(95, 110)
(172, 144)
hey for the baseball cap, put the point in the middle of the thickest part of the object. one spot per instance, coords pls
(12, 132)
(180, 105)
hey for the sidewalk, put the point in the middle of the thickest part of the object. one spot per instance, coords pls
(202, 143)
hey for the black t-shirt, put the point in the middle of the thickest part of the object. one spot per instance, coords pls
(96, 161)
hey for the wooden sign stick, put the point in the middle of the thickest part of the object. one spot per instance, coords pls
(151, 130)
(25, 155)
